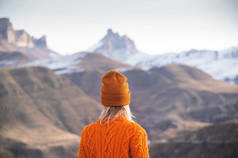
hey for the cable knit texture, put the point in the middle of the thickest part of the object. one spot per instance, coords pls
(118, 139)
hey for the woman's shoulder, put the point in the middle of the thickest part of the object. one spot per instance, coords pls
(89, 127)
(135, 127)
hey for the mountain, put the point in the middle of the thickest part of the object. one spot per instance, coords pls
(19, 40)
(170, 100)
(215, 141)
(220, 65)
(117, 47)
(42, 112)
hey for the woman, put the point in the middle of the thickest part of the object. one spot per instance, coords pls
(114, 134)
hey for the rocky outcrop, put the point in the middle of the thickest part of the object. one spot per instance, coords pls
(113, 41)
(19, 40)
(115, 46)
(6, 30)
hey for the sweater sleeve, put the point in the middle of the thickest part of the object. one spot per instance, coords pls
(138, 145)
(82, 152)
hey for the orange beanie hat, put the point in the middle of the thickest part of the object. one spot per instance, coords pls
(114, 90)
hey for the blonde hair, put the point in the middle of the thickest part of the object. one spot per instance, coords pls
(111, 112)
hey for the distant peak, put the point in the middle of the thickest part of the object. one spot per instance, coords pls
(111, 34)
(109, 31)
(113, 42)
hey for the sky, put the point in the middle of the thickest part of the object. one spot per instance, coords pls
(156, 26)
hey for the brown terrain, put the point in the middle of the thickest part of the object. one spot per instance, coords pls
(172, 93)
(215, 141)
(43, 110)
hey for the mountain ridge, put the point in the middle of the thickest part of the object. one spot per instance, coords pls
(117, 47)
(19, 40)
(220, 65)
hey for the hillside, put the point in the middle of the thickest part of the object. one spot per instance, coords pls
(43, 110)
(13, 58)
(170, 94)
(225, 132)
(216, 141)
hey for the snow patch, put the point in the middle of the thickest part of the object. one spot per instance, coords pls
(60, 64)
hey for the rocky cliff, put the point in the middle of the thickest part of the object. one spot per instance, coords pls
(19, 40)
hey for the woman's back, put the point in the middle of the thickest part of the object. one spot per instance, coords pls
(120, 138)
(114, 134)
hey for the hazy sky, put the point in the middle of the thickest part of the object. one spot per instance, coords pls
(156, 26)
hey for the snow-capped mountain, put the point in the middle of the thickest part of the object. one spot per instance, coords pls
(117, 47)
(222, 65)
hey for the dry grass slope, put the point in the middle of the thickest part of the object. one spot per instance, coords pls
(216, 141)
(42, 109)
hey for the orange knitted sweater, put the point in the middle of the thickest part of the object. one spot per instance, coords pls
(120, 138)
